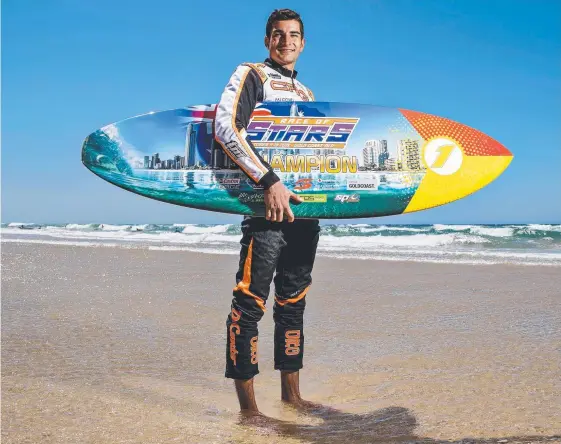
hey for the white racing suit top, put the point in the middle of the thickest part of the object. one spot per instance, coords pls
(249, 85)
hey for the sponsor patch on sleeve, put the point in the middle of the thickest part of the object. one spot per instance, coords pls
(258, 70)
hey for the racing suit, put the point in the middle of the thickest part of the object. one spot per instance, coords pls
(280, 249)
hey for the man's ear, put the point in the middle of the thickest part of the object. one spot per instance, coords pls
(266, 41)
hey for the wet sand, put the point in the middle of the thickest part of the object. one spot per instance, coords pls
(114, 345)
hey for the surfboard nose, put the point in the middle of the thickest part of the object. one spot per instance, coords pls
(473, 142)
(459, 160)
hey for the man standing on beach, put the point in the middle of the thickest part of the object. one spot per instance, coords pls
(271, 244)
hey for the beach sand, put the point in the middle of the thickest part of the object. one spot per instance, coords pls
(116, 345)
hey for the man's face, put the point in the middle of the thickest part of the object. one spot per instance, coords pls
(286, 43)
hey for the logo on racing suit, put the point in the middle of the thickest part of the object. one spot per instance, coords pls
(235, 149)
(292, 343)
(253, 345)
(234, 331)
(286, 86)
(344, 198)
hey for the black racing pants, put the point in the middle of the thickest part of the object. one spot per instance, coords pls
(287, 251)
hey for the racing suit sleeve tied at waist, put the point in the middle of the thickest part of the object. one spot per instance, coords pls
(233, 113)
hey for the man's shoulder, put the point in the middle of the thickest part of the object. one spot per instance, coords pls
(259, 69)
(258, 65)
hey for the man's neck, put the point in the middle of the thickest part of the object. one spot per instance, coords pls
(289, 67)
(287, 70)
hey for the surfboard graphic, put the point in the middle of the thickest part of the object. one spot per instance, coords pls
(344, 160)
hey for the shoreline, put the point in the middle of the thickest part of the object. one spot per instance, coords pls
(447, 257)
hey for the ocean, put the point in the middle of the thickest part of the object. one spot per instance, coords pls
(529, 244)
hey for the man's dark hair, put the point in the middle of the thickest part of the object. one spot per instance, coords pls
(283, 14)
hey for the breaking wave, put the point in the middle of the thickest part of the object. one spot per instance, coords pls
(531, 244)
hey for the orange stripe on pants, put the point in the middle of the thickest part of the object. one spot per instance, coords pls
(294, 299)
(244, 284)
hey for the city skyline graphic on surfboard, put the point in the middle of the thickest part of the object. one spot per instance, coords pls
(344, 160)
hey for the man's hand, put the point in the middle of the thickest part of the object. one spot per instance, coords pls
(277, 203)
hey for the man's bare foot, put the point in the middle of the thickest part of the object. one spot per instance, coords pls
(249, 413)
(290, 395)
(252, 417)
(290, 391)
(314, 408)
(257, 419)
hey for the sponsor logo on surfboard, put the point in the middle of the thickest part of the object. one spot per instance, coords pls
(260, 198)
(344, 198)
(443, 155)
(230, 183)
(308, 183)
(251, 198)
(313, 198)
(303, 184)
(362, 184)
(253, 185)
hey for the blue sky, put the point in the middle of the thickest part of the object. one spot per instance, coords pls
(70, 67)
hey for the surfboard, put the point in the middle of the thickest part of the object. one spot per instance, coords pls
(344, 160)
